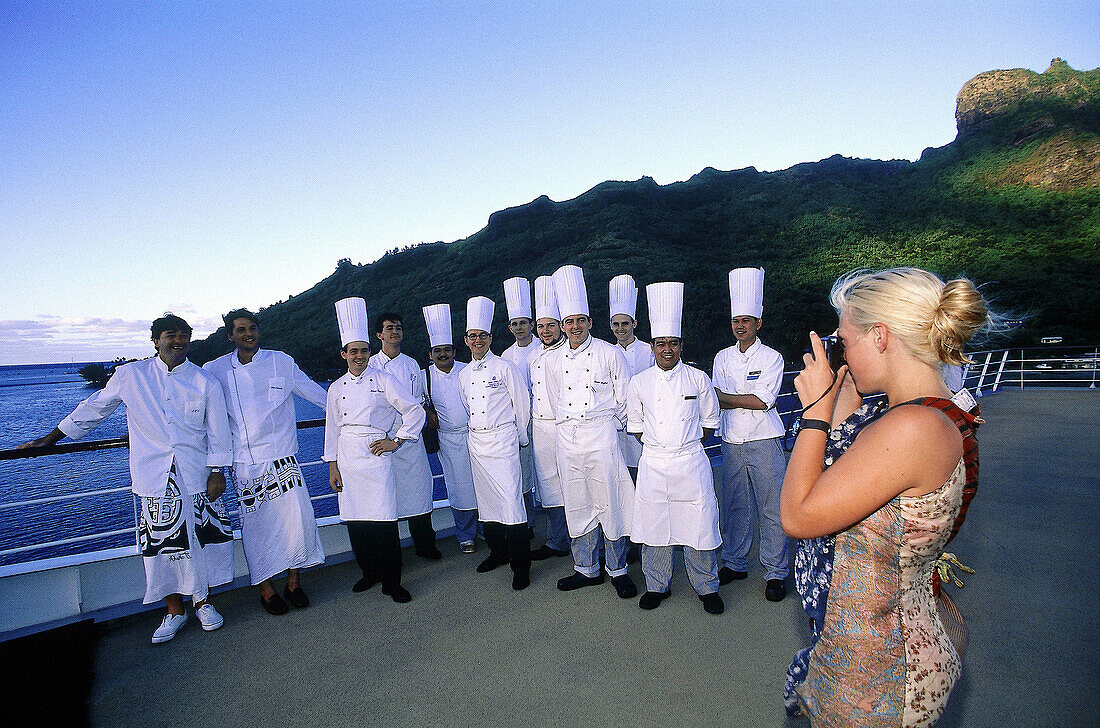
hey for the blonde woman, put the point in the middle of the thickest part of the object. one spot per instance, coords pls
(883, 657)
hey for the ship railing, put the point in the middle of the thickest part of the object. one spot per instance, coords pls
(990, 372)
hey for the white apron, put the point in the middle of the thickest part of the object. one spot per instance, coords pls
(454, 456)
(186, 543)
(544, 444)
(494, 455)
(369, 492)
(278, 527)
(413, 476)
(595, 482)
(675, 503)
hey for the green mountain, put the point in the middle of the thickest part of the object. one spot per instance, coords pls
(1012, 203)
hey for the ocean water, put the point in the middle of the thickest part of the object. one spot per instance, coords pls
(33, 399)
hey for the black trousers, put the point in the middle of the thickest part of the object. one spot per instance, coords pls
(377, 549)
(420, 528)
(511, 543)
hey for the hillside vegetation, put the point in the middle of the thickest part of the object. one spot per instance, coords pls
(1013, 202)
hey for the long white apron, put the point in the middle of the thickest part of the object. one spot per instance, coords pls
(632, 449)
(370, 493)
(413, 475)
(544, 444)
(494, 455)
(595, 482)
(675, 503)
(454, 456)
(278, 527)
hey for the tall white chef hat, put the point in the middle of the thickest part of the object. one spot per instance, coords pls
(438, 320)
(570, 290)
(517, 296)
(747, 292)
(546, 301)
(624, 296)
(351, 315)
(666, 306)
(479, 314)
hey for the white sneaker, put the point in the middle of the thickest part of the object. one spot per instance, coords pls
(466, 547)
(209, 617)
(171, 624)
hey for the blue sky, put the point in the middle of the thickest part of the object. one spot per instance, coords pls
(196, 157)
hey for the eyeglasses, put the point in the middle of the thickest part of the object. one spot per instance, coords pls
(477, 337)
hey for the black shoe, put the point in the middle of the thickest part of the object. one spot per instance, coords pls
(712, 603)
(633, 554)
(397, 593)
(775, 590)
(429, 552)
(363, 584)
(726, 575)
(521, 580)
(297, 597)
(545, 552)
(577, 580)
(491, 562)
(652, 600)
(624, 586)
(275, 605)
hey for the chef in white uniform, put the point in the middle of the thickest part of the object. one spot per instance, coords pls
(517, 298)
(410, 463)
(278, 526)
(441, 378)
(747, 378)
(544, 426)
(499, 406)
(623, 298)
(361, 410)
(588, 390)
(672, 408)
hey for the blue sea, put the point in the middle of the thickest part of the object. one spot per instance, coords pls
(33, 399)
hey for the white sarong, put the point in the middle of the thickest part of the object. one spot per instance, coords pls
(278, 527)
(186, 543)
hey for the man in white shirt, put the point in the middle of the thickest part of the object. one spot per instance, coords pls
(410, 464)
(747, 378)
(517, 298)
(672, 409)
(452, 423)
(544, 426)
(278, 526)
(361, 411)
(497, 401)
(179, 444)
(587, 387)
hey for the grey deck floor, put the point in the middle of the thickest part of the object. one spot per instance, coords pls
(468, 651)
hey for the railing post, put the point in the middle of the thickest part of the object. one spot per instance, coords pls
(1021, 369)
(1095, 363)
(981, 377)
(1000, 371)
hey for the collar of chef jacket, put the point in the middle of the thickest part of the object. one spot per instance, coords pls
(572, 353)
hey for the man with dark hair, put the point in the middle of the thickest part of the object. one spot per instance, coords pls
(410, 464)
(278, 526)
(179, 443)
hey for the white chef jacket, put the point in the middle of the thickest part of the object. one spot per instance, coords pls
(639, 356)
(259, 396)
(520, 356)
(447, 399)
(675, 502)
(405, 370)
(757, 371)
(370, 402)
(410, 463)
(178, 414)
(493, 394)
(588, 384)
(538, 370)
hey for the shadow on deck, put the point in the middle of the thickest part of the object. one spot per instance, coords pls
(469, 651)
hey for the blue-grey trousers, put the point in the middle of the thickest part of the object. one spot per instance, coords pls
(465, 524)
(752, 478)
(586, 553)
(702, 568)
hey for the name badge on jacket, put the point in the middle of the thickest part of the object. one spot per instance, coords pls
(754, 375)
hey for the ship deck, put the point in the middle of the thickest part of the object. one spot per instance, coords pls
(469, 651)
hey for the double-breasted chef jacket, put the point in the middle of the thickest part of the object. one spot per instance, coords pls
(359, 411)
(496, 398)
(675, 502)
